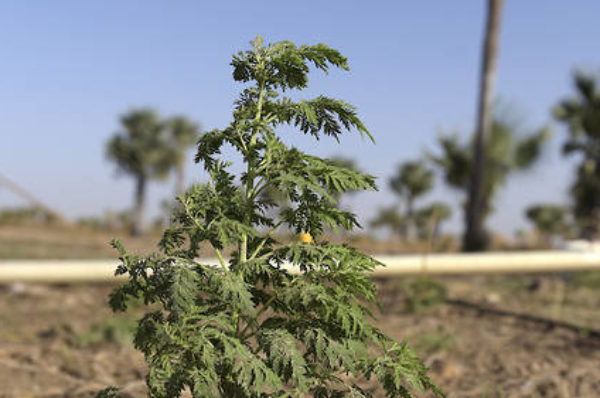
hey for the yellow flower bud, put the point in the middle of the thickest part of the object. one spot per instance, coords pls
(305, 237)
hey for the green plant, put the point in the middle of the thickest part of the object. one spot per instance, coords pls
(347, 163)
(248, 327)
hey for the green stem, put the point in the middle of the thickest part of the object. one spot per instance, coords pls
(221, 260)
(264, 240)
(250, 172)
(260, 188)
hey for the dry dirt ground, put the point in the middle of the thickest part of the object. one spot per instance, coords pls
(66, 241)
(62, 341)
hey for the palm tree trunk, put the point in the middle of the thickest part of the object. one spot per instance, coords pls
(436, 229)
(475, 236)
(138, 210)
(410, 218)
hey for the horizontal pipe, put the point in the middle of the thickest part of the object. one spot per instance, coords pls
(496, 262)
(65, 271)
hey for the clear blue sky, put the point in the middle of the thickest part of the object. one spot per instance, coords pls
(69, 68)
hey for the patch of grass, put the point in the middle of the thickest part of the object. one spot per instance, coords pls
(423, 294)
(493, 391)
(510, 284)
(433, 342)
(113, 330)
(589, 279)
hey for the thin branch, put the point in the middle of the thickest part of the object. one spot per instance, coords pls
(264, 240)
(221, 260)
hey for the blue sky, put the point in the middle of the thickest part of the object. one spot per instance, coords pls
(69, 68)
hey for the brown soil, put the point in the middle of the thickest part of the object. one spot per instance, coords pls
(62, 341)
(66, 241)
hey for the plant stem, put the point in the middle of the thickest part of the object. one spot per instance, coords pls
(264, 240)
(250, 170)
(221, 260)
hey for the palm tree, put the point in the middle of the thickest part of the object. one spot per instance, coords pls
(581, 114)
(412, 180)
(184, 134)
(141, 150)
(474, 237)
(548, 219)
(585, 194)
(390, 218)
(429, 219)
(506, 154)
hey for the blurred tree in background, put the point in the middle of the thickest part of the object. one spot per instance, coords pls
(390, 217)
(142, 150)
(149, 148)
(581, 114)
(549, 220)
(184, 135)
(411, 181)
(428, 220)
(506, 153)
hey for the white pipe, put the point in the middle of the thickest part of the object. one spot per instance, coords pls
(436, 264)
(57, 270)
(499, 262)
